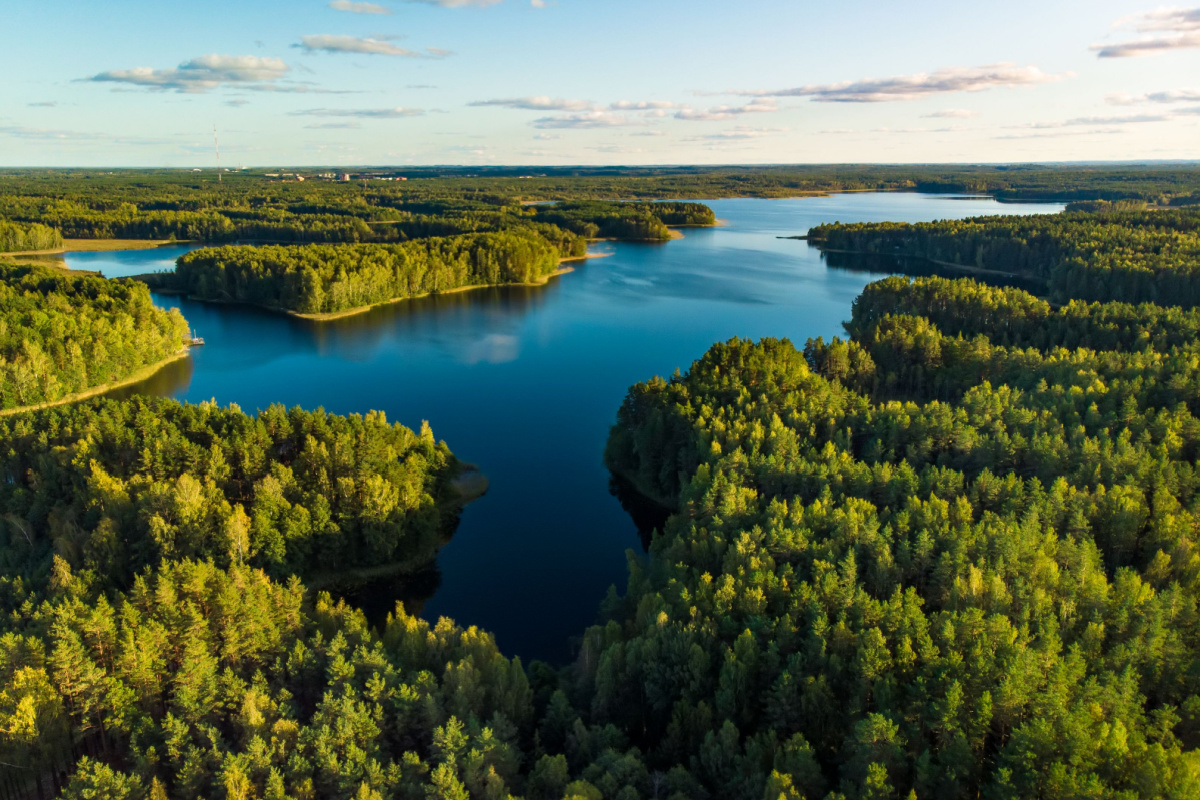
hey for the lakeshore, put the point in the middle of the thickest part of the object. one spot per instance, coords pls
(140, 375)
(154, 281)
(95, 246)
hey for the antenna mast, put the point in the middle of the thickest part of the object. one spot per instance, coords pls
(217, 146)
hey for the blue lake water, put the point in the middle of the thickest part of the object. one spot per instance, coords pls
(124, 263)
(525, 382)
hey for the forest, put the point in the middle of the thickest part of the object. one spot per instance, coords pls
(319, 279)
(953, 553)
(31, 190)
(15, 238)
(63, 333)
(1108, 255)
(253, 206)
(263, 211)
(108, 488)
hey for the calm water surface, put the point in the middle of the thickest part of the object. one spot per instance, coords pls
(525, 382)
(124, 263)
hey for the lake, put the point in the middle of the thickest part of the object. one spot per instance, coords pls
(526, 381)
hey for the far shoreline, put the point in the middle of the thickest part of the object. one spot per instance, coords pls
(97, 246)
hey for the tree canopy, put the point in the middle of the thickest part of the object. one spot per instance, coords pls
(15, 238)
(955, 553)
(63, 333)
(1130, 256)
(315, 279)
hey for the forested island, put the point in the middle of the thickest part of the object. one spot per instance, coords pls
(63, 335)
(321, 280)
(950, 555)
(440, 254)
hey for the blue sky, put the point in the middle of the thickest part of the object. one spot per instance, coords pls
(295, 82)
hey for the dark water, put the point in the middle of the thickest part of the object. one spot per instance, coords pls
(525, 382)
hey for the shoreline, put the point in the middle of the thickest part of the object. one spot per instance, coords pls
(470, 485)
(140, 375)
(970, 270)
(96, 246)
(329, 316)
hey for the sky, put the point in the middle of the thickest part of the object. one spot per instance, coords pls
(563, 82)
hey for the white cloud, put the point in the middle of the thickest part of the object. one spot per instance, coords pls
(1172, 96)
(948, 129)
(1058, 133)
(617, 149)
(326, 43)
(741, 132)
(1169, 29)
(69, 137)
(456, 3)
(763, 105)
(538, 3)
(45, 104)
(201, 74)
(1168, 20)
(334, 125)
(952, 113)
(359, 8)
(369, 113)
(585, 119)
(643, 105)
(539, 103)
(1148, 47)
(1129, 119)
(914, 87)
(295, 88)
(547, 137)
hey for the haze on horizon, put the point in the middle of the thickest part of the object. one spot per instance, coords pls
(550, 82)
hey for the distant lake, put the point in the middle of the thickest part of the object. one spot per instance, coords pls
(124, 263)
(525, 382)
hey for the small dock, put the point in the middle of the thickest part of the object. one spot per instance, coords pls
(195, 341)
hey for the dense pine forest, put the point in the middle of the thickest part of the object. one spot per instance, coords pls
(262, 210)
(955, 555)
(952, 554)
(108, 488)
(1134, 256)
(70, 192)
(317, 279)
(63, 333)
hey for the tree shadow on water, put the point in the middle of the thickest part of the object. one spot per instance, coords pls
(648, 516)
(378, 598)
